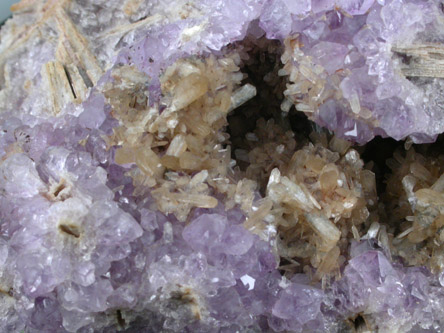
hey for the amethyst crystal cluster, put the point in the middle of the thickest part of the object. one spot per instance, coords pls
(122, 210)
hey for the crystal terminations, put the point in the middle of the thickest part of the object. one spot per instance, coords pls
(155, 176)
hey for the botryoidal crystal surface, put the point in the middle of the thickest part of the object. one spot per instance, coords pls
(155, 175)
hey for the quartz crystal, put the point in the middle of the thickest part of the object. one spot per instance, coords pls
(156, 174)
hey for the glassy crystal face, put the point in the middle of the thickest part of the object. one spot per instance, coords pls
(199, 166)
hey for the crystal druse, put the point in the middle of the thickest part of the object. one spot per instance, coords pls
(156, 174)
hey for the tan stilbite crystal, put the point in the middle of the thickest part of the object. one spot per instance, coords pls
(321, 191)
(316, 196)
(183, 139)
(415, 200)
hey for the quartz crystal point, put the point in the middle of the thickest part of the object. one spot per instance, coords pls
(122, 210)
(365, 69)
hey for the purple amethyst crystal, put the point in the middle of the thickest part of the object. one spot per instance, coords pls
(122, 208)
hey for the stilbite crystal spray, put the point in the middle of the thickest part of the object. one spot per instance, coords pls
(155, 176)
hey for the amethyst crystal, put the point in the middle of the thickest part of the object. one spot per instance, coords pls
(371, 80)
(121, 208)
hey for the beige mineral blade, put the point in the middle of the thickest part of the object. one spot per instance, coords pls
(124, 29)
(422, 60)
(78, 46)
(58, 85)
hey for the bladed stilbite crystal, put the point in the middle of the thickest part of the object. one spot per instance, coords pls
(158, 172)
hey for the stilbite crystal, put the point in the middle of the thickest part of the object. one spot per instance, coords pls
(158, 174)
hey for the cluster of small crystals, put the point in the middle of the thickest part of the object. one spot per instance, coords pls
(184, 139)
(366, 68)
(414, 196)
(121, 208)
(317, 197)
(320, 202)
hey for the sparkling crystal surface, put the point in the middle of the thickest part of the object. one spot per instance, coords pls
(122, 208)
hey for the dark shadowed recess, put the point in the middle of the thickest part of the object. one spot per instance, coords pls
(261, 62)
(260, 65)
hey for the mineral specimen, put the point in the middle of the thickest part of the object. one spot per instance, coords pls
(158, 172)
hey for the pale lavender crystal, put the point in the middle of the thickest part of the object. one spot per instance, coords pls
(276, 20)
(80, 252)
(329, 55)
(298, 7)
(93, 114)
(355, 7)
(389, 294)
(322, 5)
(301, 299)
(204, 233)
(377, 99)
